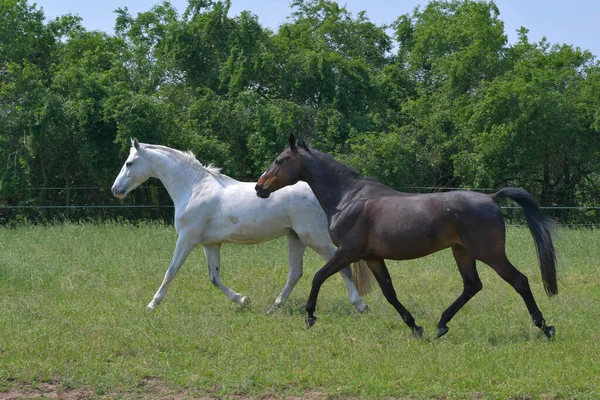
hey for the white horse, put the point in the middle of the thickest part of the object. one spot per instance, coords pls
(212, 208)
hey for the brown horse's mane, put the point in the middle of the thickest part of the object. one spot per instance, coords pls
(338, 167)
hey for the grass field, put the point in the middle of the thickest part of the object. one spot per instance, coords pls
(73, 319)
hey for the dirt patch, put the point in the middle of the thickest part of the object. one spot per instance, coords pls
(45, 391)
(149, 387)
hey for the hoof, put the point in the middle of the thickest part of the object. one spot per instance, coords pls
(151, 306)
(550, 332)
(418, 331)
(245, 301)
(273, 308)
(363, 308)
(310, 321)
(442, 330)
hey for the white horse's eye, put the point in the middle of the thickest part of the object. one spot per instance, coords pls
(128, 164)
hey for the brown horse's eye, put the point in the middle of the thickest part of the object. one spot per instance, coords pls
(278, 161)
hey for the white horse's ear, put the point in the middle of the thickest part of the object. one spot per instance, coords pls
(135, 144)
(292, 141)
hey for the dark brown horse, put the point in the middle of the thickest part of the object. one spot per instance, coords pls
(370, 221)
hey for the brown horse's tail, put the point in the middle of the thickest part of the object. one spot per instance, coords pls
(540, 227)
(362, 277)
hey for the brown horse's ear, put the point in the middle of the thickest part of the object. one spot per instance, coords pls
(292, 141)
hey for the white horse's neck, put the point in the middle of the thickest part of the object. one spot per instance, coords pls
(180, 173)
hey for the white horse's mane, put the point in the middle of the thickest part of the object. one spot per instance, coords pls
(189, 158)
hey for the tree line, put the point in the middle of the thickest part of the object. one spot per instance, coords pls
(439, 98)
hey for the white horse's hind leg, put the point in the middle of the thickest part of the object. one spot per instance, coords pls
(213, 258)
(182, 250)
(295, 254)
(355, 299)
(326, 253)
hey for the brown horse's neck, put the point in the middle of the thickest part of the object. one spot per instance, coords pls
(330, 180)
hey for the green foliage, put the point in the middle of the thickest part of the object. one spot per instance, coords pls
(450, 49)
(23, 35)
(437, 99)
(390, 157)
(534, 125)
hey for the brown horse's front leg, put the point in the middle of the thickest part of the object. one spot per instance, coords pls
(335, 264)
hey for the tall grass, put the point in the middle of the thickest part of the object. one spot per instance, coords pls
(72, 312)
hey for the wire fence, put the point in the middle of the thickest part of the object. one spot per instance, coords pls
(152, 202)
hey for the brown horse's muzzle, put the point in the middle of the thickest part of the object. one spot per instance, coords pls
(262, 191)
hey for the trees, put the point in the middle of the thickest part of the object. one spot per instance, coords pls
(534, 124)
(326, 60)
(450, 50)
(29, 112)
(442, 101)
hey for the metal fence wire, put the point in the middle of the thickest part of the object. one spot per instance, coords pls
(153, 202)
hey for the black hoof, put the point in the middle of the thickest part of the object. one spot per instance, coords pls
(442, 330)
(550, 332)
(418, 331)
(310, 321)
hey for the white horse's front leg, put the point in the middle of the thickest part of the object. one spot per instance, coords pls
(182, 250)
(296, 250)
(213, 258)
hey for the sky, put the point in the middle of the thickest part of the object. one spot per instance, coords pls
(572, 22)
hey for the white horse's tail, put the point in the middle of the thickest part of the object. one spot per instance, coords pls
(362, 277)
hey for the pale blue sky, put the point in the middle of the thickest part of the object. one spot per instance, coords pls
(574, 22)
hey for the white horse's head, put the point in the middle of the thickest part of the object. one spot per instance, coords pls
(135, 171)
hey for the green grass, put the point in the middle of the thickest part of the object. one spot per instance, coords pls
(72, 313)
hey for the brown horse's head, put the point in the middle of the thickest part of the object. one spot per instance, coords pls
(284, 171)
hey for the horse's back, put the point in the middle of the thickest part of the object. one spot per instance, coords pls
(237, 215)
(405, 226)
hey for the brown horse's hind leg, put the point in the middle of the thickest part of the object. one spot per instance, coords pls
(385, 282)
(520, 283)
(471, 285)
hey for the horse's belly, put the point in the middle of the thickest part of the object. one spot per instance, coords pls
(238, 231)
(403, 230)
(410, 251)
(406, 245)
(251, 237)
